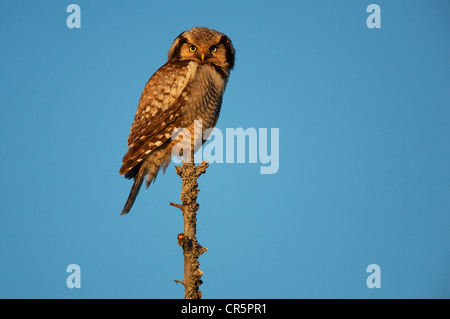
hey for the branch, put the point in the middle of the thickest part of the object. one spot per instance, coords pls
(192, 250)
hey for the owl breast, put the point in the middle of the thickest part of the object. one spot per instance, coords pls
(203, 96)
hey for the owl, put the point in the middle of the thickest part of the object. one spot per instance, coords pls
(187, 89)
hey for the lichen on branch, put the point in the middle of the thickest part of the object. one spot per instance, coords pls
(189, 173)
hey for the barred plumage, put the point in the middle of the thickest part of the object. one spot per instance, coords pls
(189, 87)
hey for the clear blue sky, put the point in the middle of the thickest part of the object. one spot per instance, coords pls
(364, 176)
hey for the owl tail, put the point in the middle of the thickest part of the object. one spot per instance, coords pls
(149, 167)
(138, 179)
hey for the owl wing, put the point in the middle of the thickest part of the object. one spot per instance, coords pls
(158, 112)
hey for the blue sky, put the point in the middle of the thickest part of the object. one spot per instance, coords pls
(363, 116)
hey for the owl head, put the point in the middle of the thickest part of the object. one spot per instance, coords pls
(203, 45)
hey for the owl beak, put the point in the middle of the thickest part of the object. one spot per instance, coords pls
(204, 55)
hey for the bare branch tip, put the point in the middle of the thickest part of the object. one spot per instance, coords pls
(179, 282)
(177, 205)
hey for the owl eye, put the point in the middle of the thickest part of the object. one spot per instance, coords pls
(213, 48)
(192, 48)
